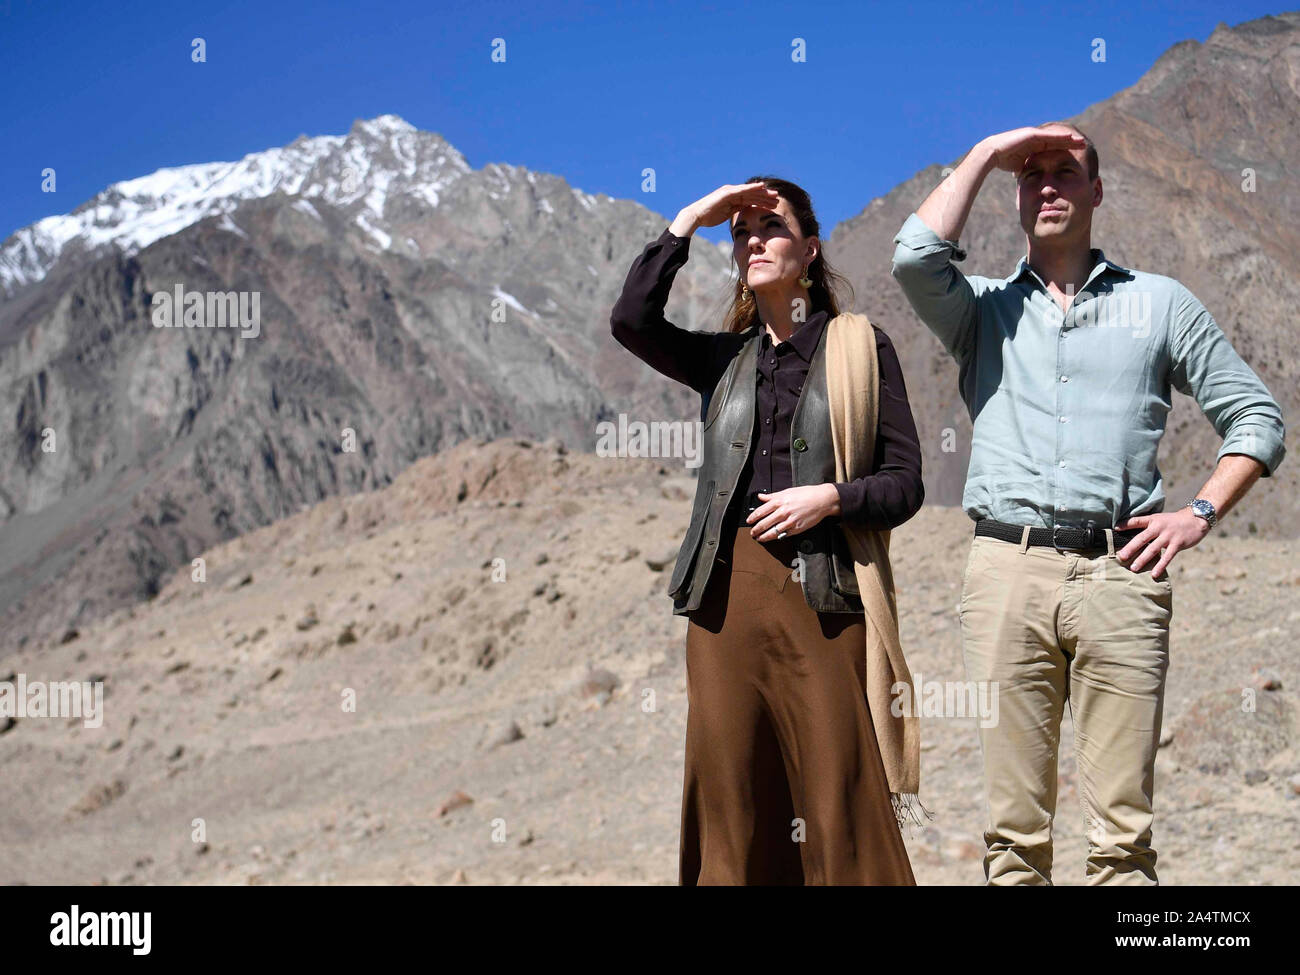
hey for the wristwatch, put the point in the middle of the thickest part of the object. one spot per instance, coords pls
(1203, 509)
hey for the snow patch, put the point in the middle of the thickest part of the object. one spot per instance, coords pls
(381, 238)
(511, 300)
(228, 224)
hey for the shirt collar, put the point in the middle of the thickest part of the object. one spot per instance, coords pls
(1099, 265)
(804, 337)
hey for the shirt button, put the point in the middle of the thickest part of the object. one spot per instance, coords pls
(765, 453)
(767, 420)
(1062, 419)
(1062, 463)
(1065, 379)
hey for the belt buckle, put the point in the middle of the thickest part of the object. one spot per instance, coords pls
(1055, 538)
(1089, 543)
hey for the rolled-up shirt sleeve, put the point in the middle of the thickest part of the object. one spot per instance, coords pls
(1205, 366)
(937, 291)
(894, 491)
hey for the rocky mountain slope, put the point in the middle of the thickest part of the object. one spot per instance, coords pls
(473, 676)
(409, 302)
(430, 304)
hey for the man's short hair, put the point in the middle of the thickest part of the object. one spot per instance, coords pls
(1090, 150)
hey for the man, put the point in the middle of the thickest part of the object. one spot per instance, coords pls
(1066, 368)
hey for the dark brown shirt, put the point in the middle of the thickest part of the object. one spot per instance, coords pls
(886, 498)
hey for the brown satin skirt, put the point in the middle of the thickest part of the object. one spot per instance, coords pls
(784, 782)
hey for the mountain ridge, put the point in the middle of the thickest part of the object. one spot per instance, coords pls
(418, 324)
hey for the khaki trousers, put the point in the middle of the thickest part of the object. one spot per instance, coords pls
(1054, 626)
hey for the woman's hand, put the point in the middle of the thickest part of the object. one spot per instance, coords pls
(719, 205)
(793, 510)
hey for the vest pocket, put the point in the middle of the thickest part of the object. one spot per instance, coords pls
(686, 554)
(843, 577)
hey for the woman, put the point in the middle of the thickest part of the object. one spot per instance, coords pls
(784, 781)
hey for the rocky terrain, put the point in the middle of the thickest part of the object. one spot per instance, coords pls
(366, 605)
(410, 302)
(499, 615)
(407, 303)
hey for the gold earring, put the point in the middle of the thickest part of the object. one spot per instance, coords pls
(805, 281)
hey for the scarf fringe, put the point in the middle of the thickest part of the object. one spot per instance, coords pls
(905, 804)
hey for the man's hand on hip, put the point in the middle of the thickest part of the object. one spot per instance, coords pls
(1162, 537)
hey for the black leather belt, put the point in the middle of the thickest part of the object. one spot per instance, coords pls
(1093, 536)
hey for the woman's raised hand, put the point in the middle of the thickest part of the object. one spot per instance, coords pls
(711, 210)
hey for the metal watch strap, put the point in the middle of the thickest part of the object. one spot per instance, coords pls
(1199, 508)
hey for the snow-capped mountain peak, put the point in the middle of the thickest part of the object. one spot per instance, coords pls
(378, 158)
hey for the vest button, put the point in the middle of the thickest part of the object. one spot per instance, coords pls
(800, 444)
(806, 546)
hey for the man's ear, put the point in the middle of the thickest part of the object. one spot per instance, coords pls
(1096, 193)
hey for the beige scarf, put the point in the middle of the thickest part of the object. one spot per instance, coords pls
(853, 388)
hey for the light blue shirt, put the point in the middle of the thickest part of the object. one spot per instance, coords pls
(1068, 409)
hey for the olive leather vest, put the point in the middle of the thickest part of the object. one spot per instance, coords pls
(829, 583)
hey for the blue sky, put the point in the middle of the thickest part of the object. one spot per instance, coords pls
(705, 93)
